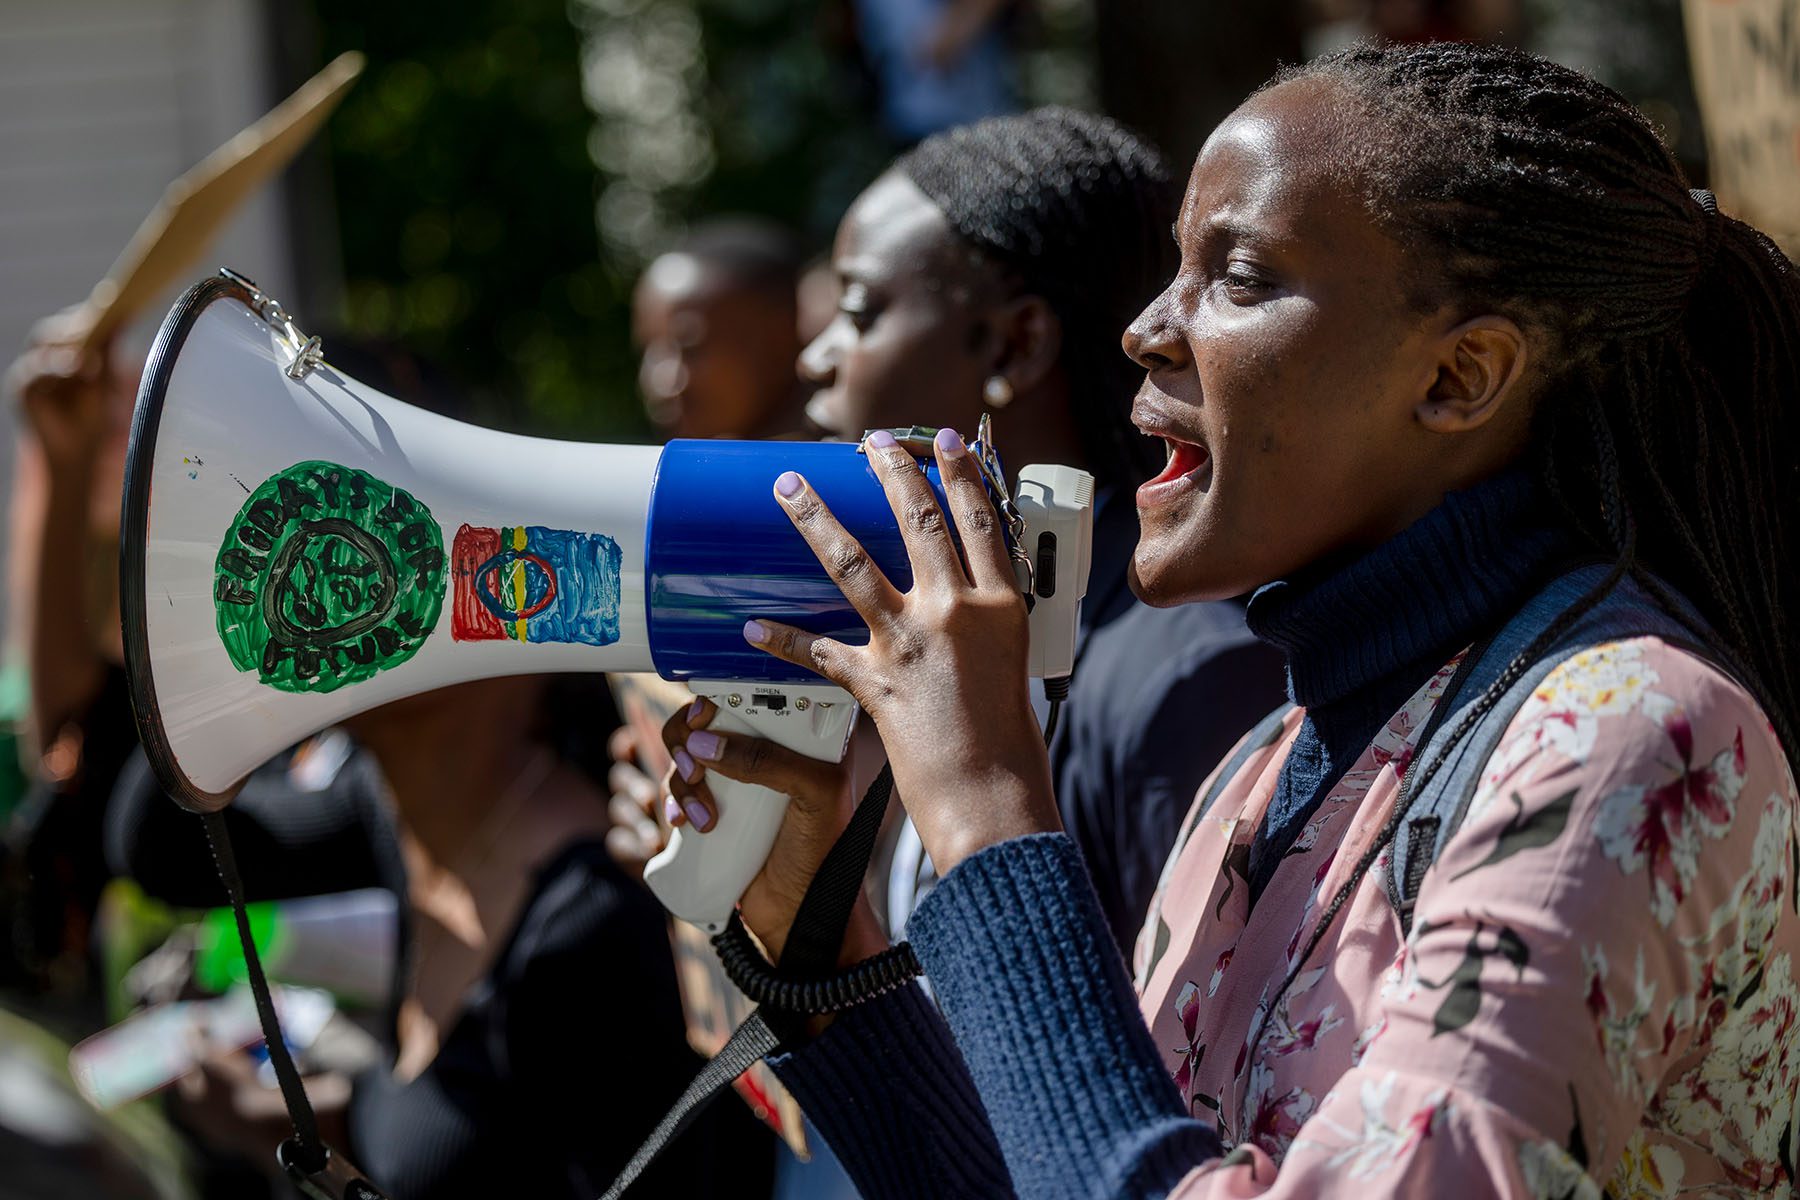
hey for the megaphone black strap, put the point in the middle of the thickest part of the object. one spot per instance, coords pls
(812, 947)
(308, 1151)
(817, 933)
(749, 1044)
(308, 1161)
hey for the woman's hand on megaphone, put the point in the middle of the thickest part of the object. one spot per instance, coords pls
(944, 673)
(820, 804)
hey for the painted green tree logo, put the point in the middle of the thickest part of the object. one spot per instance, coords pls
(327, 576)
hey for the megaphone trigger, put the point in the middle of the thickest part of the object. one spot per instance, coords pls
(700, 876)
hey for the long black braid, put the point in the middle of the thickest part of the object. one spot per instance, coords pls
(1077, 209)
(1668, 440)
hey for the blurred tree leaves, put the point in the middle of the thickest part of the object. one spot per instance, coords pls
(507, 167)
(723, 106)
(465, 200)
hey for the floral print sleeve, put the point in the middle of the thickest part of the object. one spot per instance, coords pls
(1599, 988)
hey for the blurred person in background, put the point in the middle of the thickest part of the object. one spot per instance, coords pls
(63, 586)
(534, 1034)
(719, 320)
(938, 63)
(716, 321)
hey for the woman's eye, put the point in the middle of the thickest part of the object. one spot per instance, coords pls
(1243, 281)
(855, 306)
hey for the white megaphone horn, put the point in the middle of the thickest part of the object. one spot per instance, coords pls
(298, 548)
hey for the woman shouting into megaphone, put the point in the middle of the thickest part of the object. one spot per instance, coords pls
(1493, 415)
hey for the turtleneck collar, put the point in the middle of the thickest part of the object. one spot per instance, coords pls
(1417, 598)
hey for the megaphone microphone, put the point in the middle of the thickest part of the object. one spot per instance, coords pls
(298, 548)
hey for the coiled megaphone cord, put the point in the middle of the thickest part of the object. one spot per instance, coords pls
(746, 967)
(1055, 691)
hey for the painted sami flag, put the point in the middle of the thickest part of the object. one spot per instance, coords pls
(533, 584)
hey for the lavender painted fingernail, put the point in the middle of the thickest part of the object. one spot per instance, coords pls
(949, 442)
(697, 815)
(671, 810)
(685, 764)
(755, 632)
(881, 439)
(696, 708)
(787, 484)
(705, 744)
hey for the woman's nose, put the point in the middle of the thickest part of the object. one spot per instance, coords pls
(1153, 341)
(817, 363)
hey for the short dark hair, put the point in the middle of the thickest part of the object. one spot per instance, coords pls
(750, 252)
(1079, 209)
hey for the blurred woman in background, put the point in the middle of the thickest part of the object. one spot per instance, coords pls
(535, 1031)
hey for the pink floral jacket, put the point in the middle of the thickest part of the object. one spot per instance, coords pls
(1599, 988)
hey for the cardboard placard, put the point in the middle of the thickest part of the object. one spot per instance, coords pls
(198, 204)
(1745, 56)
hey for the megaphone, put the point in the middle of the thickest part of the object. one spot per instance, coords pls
(298, 548)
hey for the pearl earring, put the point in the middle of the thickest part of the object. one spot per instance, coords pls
(997, 391)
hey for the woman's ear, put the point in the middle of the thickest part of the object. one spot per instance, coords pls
(1029, 342)
(1480, 373)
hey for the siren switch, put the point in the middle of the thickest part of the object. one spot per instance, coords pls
(1046, 564)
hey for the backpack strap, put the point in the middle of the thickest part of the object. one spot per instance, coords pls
(1438, 809)
(1260, 736)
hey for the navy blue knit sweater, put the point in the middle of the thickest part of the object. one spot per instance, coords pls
(1361, 638)
(1039, 1078)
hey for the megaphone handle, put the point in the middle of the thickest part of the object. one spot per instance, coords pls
(700, 876)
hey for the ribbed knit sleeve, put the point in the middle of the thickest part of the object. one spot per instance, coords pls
(887, 1087)
(1046, 1029)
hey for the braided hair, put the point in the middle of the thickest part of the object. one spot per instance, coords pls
(1667, 436)
(1076, 209)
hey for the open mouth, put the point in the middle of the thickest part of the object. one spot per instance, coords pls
(1189, 465)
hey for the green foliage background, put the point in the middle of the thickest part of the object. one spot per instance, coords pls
(465, 204)
(506, 167)
(472, 178)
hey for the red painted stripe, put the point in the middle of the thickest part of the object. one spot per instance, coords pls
(470, 621)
